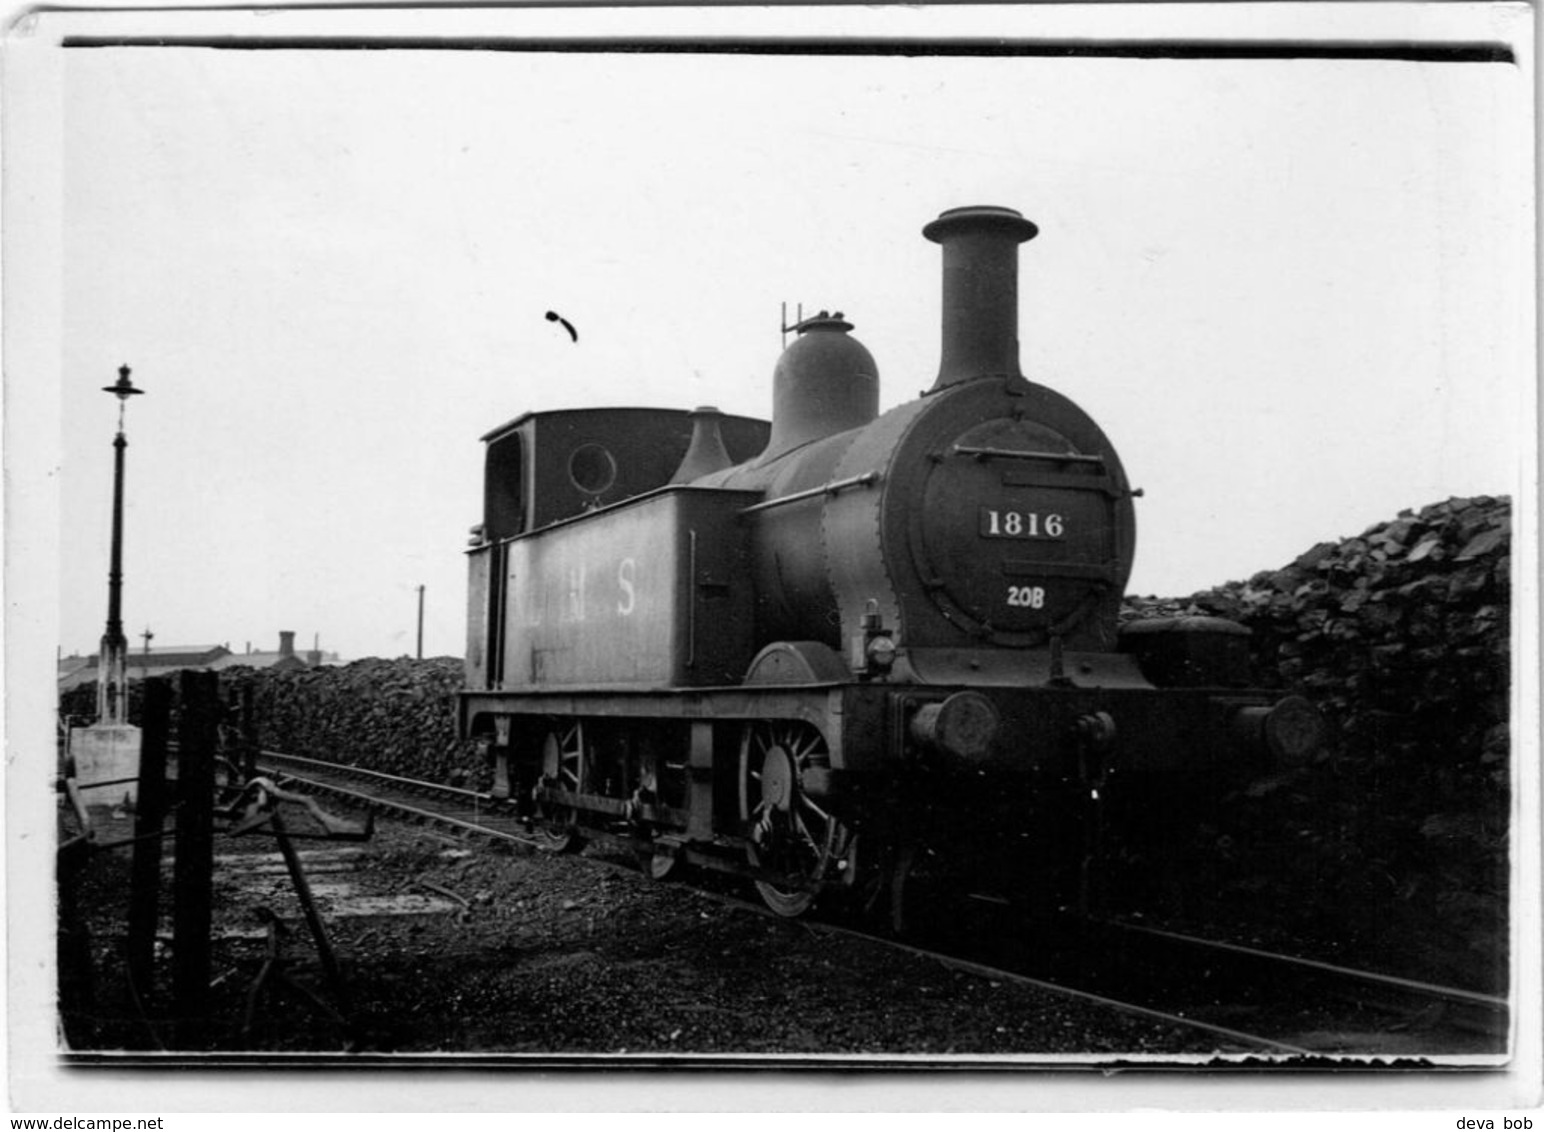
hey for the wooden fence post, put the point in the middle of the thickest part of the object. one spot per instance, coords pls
(198, 738)
(149, 822)
(248, 734)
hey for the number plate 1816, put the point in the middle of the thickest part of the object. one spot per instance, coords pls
(1001, 523)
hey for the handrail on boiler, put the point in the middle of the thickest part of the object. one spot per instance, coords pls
(831, 488)
(1017, 454)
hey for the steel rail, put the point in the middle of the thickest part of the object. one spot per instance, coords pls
(416, 784)
(1436, 990)
(1001, 974)
(371, 799)
(416, 811)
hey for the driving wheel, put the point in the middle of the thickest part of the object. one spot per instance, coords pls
(793, 841)
(563, 768)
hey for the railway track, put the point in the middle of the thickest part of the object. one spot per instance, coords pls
(467, 811)
(1250, 1000)
(1302, 1004)
(1372, 1012)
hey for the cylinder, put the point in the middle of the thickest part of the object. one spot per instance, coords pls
(980, 291)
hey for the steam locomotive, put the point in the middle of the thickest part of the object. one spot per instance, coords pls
(813, 649)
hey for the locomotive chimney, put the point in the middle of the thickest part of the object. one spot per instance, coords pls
(706, 454)
(826, 382)
(286, 643)
(981, 291)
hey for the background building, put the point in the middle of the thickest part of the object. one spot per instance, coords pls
(76, 670)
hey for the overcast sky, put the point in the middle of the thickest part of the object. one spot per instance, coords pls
(1296, 294)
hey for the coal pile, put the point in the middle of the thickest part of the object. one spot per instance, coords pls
(1400, 635)
(394, 716)
(1396, 838)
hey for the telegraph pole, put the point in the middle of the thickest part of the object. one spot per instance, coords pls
(112, 687)
(420, 622)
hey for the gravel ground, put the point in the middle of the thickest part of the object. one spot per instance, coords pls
(493, 952)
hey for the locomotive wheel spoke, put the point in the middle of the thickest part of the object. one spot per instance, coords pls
(789, 835)
(571, 757)
(806, 748)
(809, 804)
(563, 767)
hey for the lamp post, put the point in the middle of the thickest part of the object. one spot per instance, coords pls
(112, 690)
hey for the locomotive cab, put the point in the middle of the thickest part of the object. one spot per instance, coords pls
(545, 468)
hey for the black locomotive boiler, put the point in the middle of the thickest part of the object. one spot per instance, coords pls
(813, 648)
